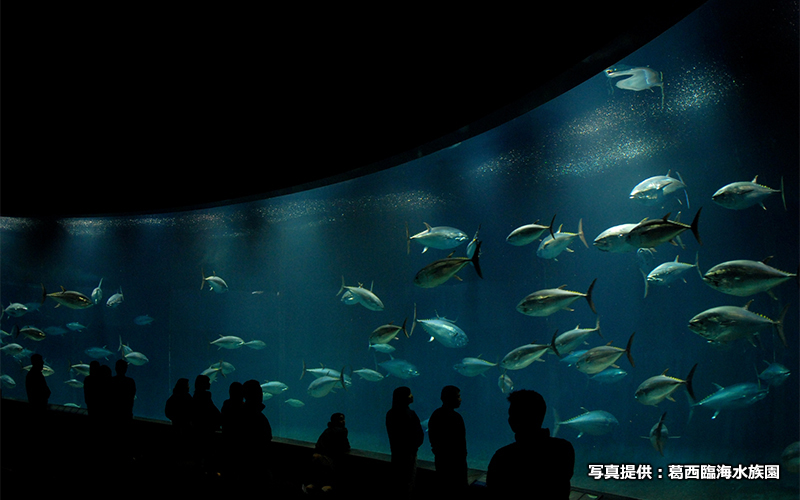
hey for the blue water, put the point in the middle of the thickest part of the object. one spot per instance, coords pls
(578, 156)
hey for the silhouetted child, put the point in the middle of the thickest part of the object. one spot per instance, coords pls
(535, 462)
(327, 471)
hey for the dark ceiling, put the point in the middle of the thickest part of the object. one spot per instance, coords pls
(111, 112)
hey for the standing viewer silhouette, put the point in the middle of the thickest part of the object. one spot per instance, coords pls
(535, 461)
(405, 437)
(448, 437)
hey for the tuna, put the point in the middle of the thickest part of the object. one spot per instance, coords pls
(546, 302)
(529, 233)
(568, 341)
(668, 272)
(69, 298)
(614, 239)
(594, 423)
(97, 293)
(655, 190)
(400, 368)
(732, 397)
(228, 342)
(362, 296)
(471, 367)
(445, 332)
(523, 356)
(369, 375)
(656, 389)
(774, 374)
(741, 195)
(217, 284)
(438, 272)
(653, 232)
(441, 237)
(116, 300)
(599, 358)
(745, 277)
(552, 245)
(386, 333)
(728, 323)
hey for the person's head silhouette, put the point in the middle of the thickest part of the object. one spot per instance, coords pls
(526, 411)
(451, 396)
(402, 397)
(121, 367)
(202, 383)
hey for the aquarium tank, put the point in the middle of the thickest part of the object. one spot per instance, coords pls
(638, 234)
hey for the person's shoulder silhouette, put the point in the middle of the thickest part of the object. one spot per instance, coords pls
(36, 385)
(179, 406)
(534, 460)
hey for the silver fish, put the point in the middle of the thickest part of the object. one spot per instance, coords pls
(505, 383)
(568, 341)
(637, 79)
(228, 342)
(217, 284)
(614, 239)
(656, 389)
(546, 302)
(659, 434)
(444, 331)
(275, 387)
(609, 375)
(98, 352)
(386, 333)
(528, 233)
(774, 374)
(71, 299)
(15, 309)
(653, 232)
(441, 237)
(30, 332)
(369, 375)
(473, 244)
(553, 244)
(594, 423)
(322, 386)
(116, 299)
(471, 367)
(136, 358)
(668, 272)
(523, 356)
(97, 293)
(745, 277)
(741, 195)
(400, 368)
(363, 296)
(735, 396)
(655, 190)
(728, 323)
(599, 358)
(438, 272)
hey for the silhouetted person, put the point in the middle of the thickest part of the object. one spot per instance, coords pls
(327, 469)
(232, 408)
(448, 438)
(405, 437)
(206, 417)
(257, 434)
(179, 410)
(36, 386)
(179, 406)
(535, 462)
(123, 393)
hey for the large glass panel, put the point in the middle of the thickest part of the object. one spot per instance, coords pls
(711, 102)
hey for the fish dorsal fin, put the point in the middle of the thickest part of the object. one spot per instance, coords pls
(643, 220)
(559, 228)
(668, 172)
(451, 254)
(676, 258)
(666, 217)
(719, 387)
(755, 180)
(64, 289)
(665, 371)
(609, 343)
(747, 306)
(767, 259)
(562, 287)
(427, 226)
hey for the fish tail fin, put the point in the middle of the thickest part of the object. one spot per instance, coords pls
(646, 284)
(783, 194)
(414, 321)
(203, 275)
(580, 233)
(552, 221)
(475, 259)
(779, 325)
(341, 378)
(44, 294)
(304, 370)
(695, 226)
(553, 343)
(628, 350)
(589, 296)
(689, 387)
(340, 289)
(404, 328)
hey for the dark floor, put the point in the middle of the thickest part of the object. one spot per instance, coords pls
(62, 455)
